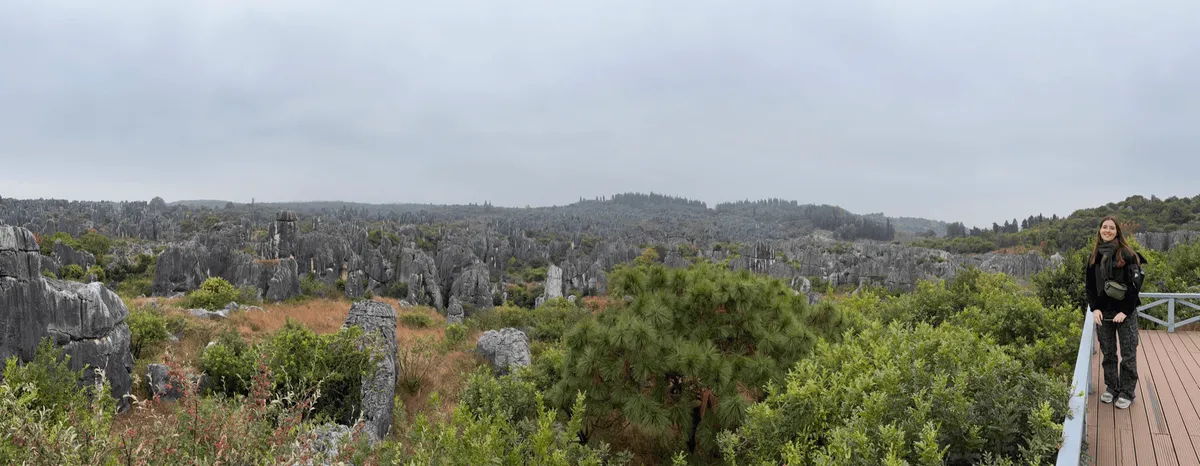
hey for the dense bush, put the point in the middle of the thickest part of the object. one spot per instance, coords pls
(147, 328)
(511, 397)
(71, 272)
(492, 439)
(47, 417)
(415, 320)
(921, 395)
(680, 360)
(994, 305)
(546, 323)
(302, 362)
(216, 292)
(48, 381)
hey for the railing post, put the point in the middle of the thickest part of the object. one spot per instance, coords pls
(1171, 315)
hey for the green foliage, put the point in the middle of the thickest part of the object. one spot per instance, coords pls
(55, 387)
(301, 361)
(46, 417)
(311, 287)
(509, 397)
(415, 320)
(134, 287)
(95, 243)
(140, 269)
(396, 289)
(1177, 271)
(71, 272)
(47, 242)
(216, 292)
(455, 335)
(95, 272)
(959, 245)
(1063, 286)
(48, 274)
(546, 323)
(921, 395)
(229, 363)
(679, 359)
(994, 305)
(147, 328)
(525, 295)
(492, 440)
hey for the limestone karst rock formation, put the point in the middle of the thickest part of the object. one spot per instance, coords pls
(86, 320)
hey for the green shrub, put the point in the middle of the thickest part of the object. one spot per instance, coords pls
(415, 320)
(47, 242)
(302, 363)
(134, 287)
(510, 397)
(50, 381)
(48, 274)
(216, 292)
(310, 286)
(455, 334)
(147, 329)
(71, 272)
(683, 358)
(995, 305)
(493, 440)
(95, 243)
(95, 272)
(922, 395)
(230, 364)
(546, 323)
(46, 417)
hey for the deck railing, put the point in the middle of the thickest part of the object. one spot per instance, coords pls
(1170, 299)
(1075, 425)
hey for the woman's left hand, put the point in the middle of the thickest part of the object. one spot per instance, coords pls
(1119, 318)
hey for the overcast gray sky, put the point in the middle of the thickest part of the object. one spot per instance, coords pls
(956, 110)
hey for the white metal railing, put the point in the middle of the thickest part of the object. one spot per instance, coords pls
(1170, 299)
(1075, 426)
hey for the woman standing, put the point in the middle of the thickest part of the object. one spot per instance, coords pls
(1113, 299)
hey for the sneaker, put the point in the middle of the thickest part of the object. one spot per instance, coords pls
(1107, 397)
(1123, 403)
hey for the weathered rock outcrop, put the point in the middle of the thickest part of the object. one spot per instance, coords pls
(1160, 241)
(505, 349)
(473, 288)
(554, 282)
(378, 321)
(454, 312)
(284, 282)
(282, 236)
(65, 256)
(179, 269)
(86, 320)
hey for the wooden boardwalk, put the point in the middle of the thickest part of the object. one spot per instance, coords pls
(1162, 427)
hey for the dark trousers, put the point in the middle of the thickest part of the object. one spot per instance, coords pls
(1121, 378)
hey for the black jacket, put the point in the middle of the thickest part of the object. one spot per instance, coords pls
(1110, 307)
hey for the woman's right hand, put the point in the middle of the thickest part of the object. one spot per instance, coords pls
(1098, 317)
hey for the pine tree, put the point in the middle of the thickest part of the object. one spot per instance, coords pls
(678, 359)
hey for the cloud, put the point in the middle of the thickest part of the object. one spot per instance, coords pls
(971, 111)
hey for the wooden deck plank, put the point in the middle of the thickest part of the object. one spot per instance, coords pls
(1142, 416)
(1187, 366)
(1179, 376)
(1165, 451)
(1177, 429)
(1162, 427)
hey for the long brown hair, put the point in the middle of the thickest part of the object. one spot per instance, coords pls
(1122, 245)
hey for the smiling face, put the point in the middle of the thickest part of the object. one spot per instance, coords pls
(1108, 230)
